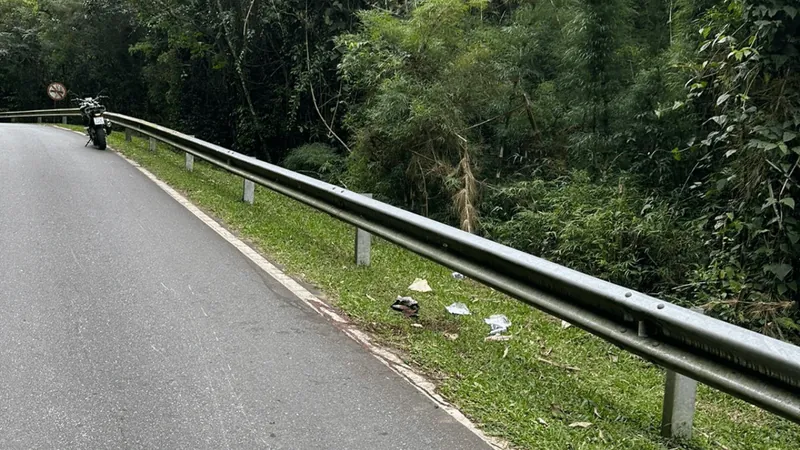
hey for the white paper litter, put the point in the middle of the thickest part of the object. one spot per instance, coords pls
(458, 309)
(420, 285)
(499, 324)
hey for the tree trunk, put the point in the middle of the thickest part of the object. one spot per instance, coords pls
(237, 64)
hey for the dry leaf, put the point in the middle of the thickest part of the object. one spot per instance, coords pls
(505, 352)
(541, 421)
(597, 414)
(451, 336)
(565, 324)
(416, 325)
(580, 425)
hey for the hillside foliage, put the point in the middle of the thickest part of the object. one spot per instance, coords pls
(652, 143)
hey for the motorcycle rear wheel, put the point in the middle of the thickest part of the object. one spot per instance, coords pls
(100, 138)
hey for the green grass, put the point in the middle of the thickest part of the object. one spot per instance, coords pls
(505, 387)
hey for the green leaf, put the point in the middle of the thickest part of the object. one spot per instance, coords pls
(780, 270)
(723, 98)
(788, 136)
(788, 201)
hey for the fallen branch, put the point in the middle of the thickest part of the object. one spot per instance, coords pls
(314, 99)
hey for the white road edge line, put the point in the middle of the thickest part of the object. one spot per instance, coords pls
(387, 357)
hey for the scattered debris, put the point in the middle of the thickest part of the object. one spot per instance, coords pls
(416, 325)
(580, 425)
(451, 336)
(505, 352)
(499, 324)
(420, 285)
(459, 309)
(370, 297)
(498, 338)
(458, 276)
(565, 324)
(596, 413)
(547, 351)
(555, 364)
(407, 306)
(542, 421)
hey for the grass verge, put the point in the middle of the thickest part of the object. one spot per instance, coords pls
(528, 390)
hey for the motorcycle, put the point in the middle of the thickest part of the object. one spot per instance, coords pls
(97, 126)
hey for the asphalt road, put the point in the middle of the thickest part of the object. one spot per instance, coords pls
(125, 322)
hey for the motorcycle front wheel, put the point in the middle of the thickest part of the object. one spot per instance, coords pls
(100, 138)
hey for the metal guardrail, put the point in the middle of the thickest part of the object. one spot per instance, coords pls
(758, 369)
(65, 112)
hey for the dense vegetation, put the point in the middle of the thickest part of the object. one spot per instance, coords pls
(653, 143)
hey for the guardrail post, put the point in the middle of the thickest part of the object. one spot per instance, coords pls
(249, 194)
(39, 119)
(189, 161)
(363, 244)
(152, 144)
(680, 393)
(679, 399)
(127, 134)
(64, 120)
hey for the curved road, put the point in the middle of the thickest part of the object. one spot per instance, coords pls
(125, 322)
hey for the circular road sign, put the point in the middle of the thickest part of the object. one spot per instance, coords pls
(56, 91)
